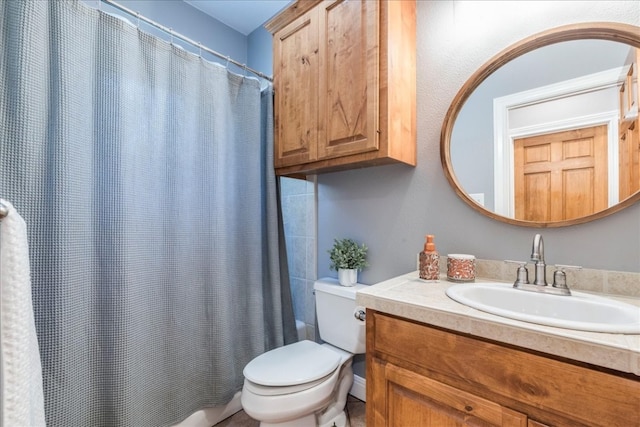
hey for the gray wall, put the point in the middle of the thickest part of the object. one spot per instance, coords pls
(260, 51)
(391, 208)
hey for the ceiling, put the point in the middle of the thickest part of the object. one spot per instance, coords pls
(243, 16)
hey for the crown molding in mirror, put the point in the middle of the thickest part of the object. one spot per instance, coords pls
(617, 32)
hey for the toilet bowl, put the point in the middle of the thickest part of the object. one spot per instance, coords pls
(300, 380)
(305, 384)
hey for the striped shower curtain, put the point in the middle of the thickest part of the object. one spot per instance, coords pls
(144, 175)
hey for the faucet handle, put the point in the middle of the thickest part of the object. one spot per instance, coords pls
(568, 267)
(522, 275)
(522, 263)
(560, 277)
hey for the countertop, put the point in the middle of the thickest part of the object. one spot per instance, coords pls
(410, 297)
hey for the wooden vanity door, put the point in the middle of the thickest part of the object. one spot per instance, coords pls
(414, 400)
(561, 176)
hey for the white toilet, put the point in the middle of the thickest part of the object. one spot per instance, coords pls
(306, 383)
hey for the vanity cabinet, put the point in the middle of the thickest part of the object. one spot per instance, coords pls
(422, 375)
(344, 84)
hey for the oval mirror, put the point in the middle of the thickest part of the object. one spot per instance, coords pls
(546, 133)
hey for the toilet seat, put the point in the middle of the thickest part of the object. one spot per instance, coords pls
(265, 390)
(304, 363)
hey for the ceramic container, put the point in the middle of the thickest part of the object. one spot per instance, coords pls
(347, 276)
(461, 268)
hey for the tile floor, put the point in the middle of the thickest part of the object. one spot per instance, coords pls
(355, 416)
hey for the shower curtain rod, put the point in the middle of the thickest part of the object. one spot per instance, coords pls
(185, 38)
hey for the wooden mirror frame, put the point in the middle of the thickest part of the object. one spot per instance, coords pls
(617, 32)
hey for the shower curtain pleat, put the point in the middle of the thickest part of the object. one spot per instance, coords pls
(144, 174)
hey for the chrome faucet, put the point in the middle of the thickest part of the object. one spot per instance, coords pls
(540, 279)
(537, 255)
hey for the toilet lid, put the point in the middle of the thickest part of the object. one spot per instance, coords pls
(292, 364)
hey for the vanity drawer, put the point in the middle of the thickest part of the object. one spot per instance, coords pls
(544, 387)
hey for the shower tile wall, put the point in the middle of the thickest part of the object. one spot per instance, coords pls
(298, 211)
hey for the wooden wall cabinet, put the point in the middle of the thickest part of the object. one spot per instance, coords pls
(345, 85)
(419, 375)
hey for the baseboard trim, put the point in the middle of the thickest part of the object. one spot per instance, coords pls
(359, 388)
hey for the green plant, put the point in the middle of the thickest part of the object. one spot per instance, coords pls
(346, 253)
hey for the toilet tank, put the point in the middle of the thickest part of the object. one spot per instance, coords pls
(335, 307)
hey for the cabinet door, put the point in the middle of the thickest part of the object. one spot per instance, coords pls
(349, 77)
(629, 152)
(296, 67)
(629, 128)
(409, 399)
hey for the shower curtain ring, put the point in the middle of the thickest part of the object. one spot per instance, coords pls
(138, 20)
(228, 60)
(200, 49)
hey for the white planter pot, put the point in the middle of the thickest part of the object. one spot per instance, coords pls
(347, 276)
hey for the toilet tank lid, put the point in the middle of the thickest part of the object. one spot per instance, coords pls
(332, 286)
(293, 364)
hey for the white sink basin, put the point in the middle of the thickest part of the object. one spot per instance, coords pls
(580, 311)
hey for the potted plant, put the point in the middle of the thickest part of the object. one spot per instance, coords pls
(347, 257)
